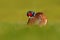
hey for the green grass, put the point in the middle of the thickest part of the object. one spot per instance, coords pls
(9, 31)
(13, 20)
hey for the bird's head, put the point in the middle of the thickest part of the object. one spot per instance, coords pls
(30, 14)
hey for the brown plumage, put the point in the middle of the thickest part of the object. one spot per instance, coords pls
(40, 17)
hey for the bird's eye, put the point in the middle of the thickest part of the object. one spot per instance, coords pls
(30, 14)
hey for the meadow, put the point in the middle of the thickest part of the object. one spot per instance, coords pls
(13, 20)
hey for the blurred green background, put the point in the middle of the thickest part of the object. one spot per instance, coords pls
(13, 20)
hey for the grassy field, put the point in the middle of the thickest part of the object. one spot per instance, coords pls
(13, 20)
(9, 31)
